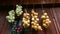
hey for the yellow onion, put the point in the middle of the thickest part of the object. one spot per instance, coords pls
(45, 13)
(42, 16)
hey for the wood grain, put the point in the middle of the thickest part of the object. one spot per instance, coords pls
(14, 2)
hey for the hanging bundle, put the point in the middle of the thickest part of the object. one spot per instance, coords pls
(45, 19)
(35, 19)
(26, 19)
(19, 10)
(11, 16)
(14, 28)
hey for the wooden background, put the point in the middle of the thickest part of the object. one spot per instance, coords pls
(54, 14)
(14, 2)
